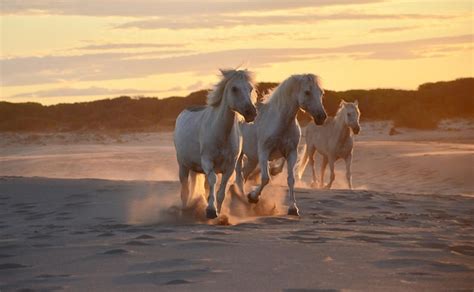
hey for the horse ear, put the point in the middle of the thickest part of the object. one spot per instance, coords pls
(356, 102)
(224, 72)
(343, 102)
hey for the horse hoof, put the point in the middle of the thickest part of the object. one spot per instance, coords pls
(251, 199)
(293, 211)
(211, 213)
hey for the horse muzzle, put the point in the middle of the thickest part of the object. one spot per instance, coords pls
(356, 130)
(319, 119)
(249, 114)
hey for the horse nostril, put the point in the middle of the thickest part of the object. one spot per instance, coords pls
(250, 113)
(324, 116)
(320, 118)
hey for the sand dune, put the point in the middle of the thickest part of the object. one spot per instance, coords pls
(79, 213)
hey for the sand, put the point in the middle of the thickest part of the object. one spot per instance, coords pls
(81, 213)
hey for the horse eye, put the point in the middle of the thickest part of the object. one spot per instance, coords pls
(234, 89)
(307, 92)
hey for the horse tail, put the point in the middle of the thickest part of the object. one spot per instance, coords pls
(301, 165)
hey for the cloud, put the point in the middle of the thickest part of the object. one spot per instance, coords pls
(393, 29)
(107, 66)
(206, 21)
(113, 46)
(197, 85)
(68, 91)
(140, 8)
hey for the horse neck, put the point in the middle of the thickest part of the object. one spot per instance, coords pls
(341, 128)
(225, 118)
(286, 113)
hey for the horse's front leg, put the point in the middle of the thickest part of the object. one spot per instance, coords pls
(208, 167)
(348, 170)
(263, 161)
(291, 161)
(222, 188)
(324, 163)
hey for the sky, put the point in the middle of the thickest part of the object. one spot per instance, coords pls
(64, 51)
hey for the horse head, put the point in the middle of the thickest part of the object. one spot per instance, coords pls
(351, 114)
(310, 94)
(239, 93)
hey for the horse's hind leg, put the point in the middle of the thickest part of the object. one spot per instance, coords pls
(239, 180)
(332, 175)
(312, 164)
(324, 164)
(291, 161)
(263, 160)
(349, 170)
(222, 188)
(183, 178)
(249, 167)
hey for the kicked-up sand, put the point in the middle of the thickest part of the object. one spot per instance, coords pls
(88, 212)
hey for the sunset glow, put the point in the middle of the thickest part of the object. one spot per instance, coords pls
(69, 51)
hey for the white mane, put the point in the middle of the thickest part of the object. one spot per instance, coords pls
(281, 95)
(215, 96)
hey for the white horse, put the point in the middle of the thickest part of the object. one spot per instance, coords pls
(276, 132)
(333, 141)
(207, 139)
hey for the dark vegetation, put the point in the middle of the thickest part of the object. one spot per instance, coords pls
(422, 108)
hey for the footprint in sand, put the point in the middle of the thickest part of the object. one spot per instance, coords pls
(78, 196)
(177, 282)
(305, 236)
(75, 205)
(463, 249)
(3, 255)
(116, 251)
(309, 290)
(137, 243)
(277, 220)
(145, 236)
(410, 263)
(106, 234)
(37, 216)
(53, 276)
(12, 266)
(23, 205)
(168, 272)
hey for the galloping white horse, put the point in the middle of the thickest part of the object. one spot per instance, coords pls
(333, 140)
(276, 132)
(207, 139)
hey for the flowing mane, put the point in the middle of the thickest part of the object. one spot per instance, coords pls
(281, 96)
(215, 96)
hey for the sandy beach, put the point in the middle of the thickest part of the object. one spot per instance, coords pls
(99, 213)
